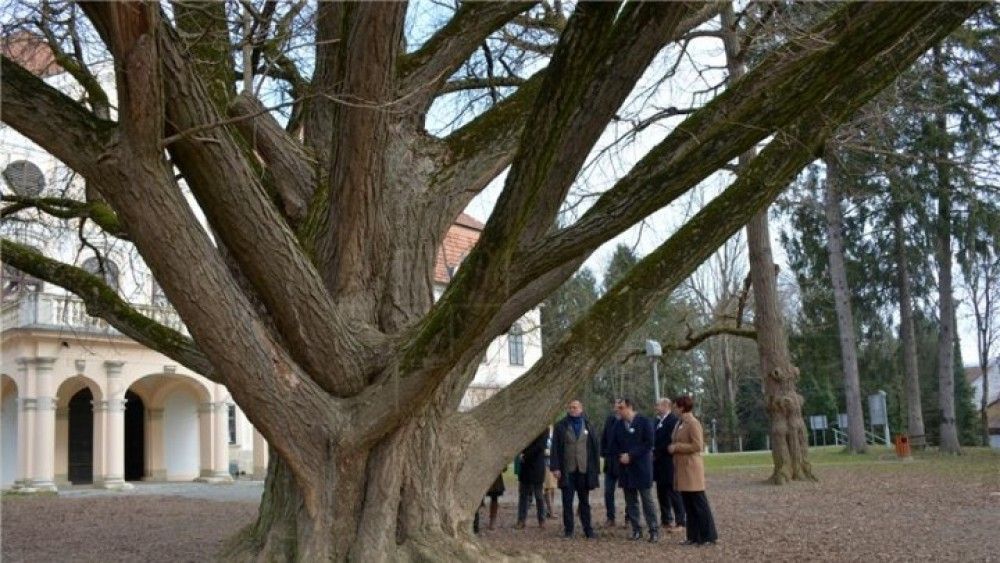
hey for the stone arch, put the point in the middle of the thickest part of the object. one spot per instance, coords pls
(79, 429)
(9, 425)
(175, 430)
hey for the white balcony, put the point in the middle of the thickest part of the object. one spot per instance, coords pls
(67, 312)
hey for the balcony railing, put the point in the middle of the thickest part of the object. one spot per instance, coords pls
(67, 312)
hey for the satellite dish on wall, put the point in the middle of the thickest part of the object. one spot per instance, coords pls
(25, 178)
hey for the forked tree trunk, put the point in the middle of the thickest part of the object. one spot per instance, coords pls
(911, 375)
(789, 445)
(856, 442)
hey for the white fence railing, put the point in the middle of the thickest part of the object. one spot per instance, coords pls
(49, 310)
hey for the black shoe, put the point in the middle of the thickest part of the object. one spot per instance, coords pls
(654, 536)
(590, 535)
(687, 542)
(568, 535)
(636, 535)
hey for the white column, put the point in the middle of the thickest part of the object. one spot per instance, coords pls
(220, 445)
(114, 434)
(214, 417)
(23, 429)
(259, 455)
(43, 410)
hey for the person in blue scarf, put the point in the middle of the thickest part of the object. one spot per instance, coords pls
(576, 464)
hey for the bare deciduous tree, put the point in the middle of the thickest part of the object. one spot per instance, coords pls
(313, 303)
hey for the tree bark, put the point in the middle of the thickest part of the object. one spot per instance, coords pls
(789, 445)
(856, 442)
(946, 309)
(911, 374)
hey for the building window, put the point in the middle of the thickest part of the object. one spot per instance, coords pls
(232, 424)
(515, 345)
(104, 268)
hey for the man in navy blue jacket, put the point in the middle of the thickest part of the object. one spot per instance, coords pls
(632, 442)
(663, 467)
(610, 463)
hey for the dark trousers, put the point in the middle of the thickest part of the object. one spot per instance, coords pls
(576, 484)
(700, 524)
(671, 505)
(609, 495)
(524, 493)
(632, 497)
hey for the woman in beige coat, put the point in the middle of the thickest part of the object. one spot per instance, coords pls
(689, 475)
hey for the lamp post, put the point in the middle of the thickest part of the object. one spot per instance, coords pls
(654, 352)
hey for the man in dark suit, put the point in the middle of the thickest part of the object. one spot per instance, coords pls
(575, 463)
(632, 442)
(663, 468)
(610, 463)
(530, 480)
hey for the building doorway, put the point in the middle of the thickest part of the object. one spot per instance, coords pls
(135, 437)
(81, 437)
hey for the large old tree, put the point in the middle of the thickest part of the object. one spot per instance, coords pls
(312, 298)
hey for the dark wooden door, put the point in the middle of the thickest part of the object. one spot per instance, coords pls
(81, 438)
(135, 437)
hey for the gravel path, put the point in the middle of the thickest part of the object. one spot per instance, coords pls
(865, 512)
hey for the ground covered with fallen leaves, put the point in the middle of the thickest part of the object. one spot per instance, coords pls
(863, 508)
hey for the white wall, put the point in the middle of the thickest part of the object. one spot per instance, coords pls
(8, 441)
(180, 436)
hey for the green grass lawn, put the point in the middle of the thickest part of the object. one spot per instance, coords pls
(972, 460)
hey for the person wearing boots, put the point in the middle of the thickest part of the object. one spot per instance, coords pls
(633, 444)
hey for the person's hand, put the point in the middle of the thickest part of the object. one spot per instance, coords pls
(670, 448)
(520, 456)
(556, 473)
(623, 459)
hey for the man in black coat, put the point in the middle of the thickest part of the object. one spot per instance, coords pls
(663, 468)
(632, 442)
(530, 480)
(610, 463)
(575, 462)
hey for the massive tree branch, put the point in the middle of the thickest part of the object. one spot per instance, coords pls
(349, 225)
(103, 302)
(292, 172)
(537, 395)
(52, 120)
(430, 66)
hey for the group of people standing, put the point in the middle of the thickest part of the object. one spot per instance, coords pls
(636, 452)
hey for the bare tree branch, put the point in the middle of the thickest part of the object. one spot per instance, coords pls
(430, 66)
(64, 208)
(52, 120)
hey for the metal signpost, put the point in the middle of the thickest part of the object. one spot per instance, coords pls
(654, 351)
(878, 414)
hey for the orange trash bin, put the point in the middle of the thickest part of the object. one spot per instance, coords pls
(902, 445)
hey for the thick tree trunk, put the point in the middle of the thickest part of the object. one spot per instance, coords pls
(946, 336)
(856, 442)
(398, 501)
(789, 445)
(911, 374)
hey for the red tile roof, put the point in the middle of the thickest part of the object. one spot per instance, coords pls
(457, 244)
(31, 52)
